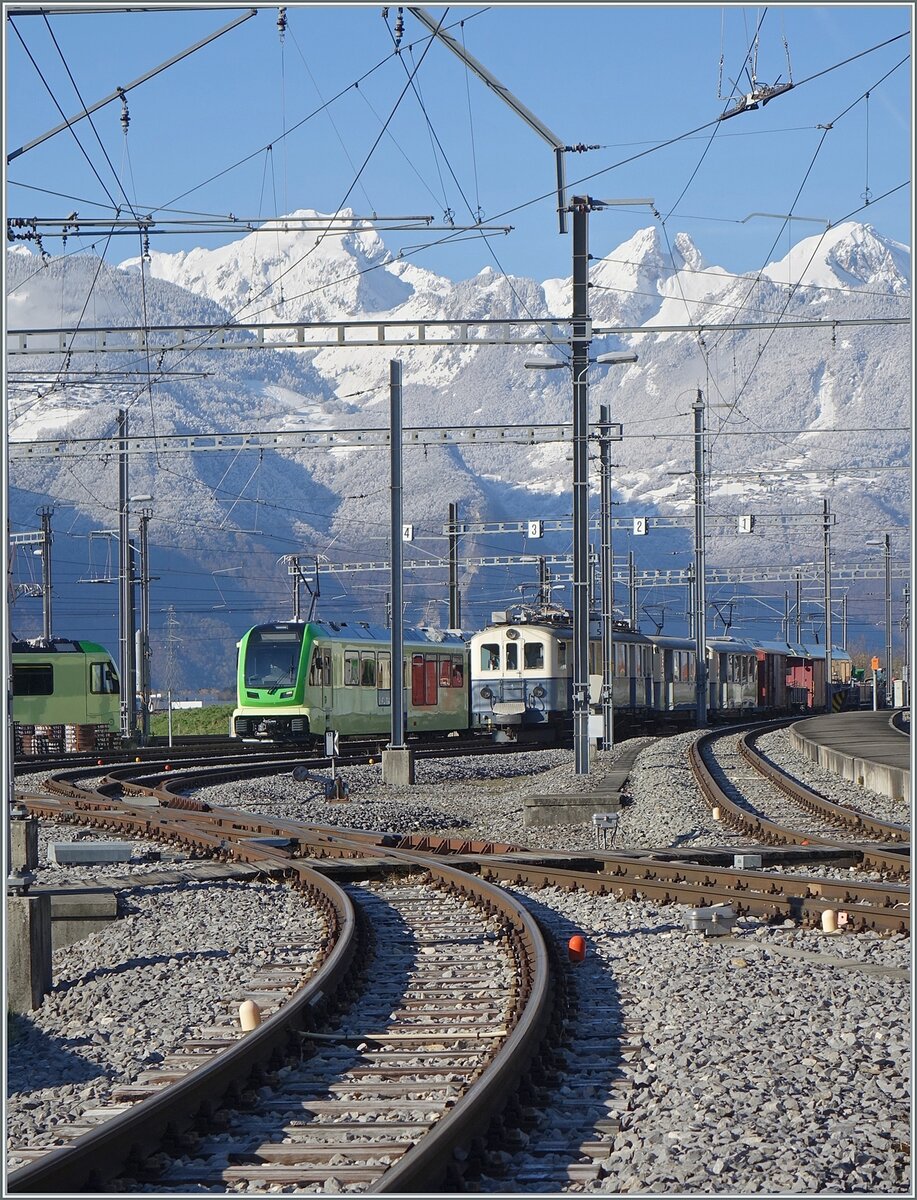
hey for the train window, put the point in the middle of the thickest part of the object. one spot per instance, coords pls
(620, 659)
(561, 655)
(384, 679)
(36, 679)
(685, 670)
(512, 657)
(368, 669)
(533, 653)
(490, 656)
(103, 679)
(458, 673)
(445, 672)
(351, 668)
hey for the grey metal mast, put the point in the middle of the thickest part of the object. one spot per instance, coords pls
(397, 518)
(125, 606)
(45, 514)
(608, 666)
(579, 344)
(829, 664)
(700, 588)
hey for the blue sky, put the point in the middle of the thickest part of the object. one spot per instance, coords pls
(621, 77)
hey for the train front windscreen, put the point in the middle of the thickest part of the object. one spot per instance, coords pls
(272, 655)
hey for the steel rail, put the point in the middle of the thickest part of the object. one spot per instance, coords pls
(101, 1153)
(815, 802)
(427, 1162)
(769, 832)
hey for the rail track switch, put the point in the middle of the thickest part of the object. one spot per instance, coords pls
(713, 921)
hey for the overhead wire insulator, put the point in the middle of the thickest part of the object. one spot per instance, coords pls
(399, 27)
(282, 22)
(125, 115)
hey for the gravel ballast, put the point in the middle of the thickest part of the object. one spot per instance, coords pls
(776, 1060)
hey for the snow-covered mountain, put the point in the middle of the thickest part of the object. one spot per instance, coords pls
(828, 407)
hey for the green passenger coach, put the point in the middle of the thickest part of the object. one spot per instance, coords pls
(64, 682)
(298, 680)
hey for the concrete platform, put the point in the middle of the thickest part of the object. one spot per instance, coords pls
(575, 808)
(863, 747)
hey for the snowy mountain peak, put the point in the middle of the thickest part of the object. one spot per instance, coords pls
(847, 255)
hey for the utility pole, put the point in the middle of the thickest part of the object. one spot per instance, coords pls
(45, 514)
(632, 590)
(798, 609)
(889, 697)
(455, 596)
(579, 345)
(905, 629)
(125, 605)
(608, 662)
(829, 665)
(397, 759)
(143, 640)
(700, 589)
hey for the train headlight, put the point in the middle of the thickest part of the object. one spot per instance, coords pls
(486, 693)
(538, 691)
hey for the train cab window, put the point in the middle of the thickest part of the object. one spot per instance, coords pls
(33, 679)
(512, 657)
(533, 656)
(368, 669)
(103, 679)
(320, 669)
(351, 668)
(490, 656)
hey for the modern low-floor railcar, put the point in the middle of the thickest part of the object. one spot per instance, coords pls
(64, 682)
(298, 680)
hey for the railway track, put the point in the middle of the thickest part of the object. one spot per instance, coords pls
(803, 816)
(316, 1024)
(456, 1022)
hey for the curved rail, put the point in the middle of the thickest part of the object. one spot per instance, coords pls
(768, 832)
(101, 1153)
(228, 834)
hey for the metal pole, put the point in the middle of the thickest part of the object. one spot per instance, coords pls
(144, 664)
(906, 630)
(798, 610)
(700, 589)
(844, 621)
(608, 662)
(889, 697)
(455, 596)
(397, 533)
(169, 695)
(46, 571)
(829, 666)
(632, 588)
(124, 581)
(579, 344)
(297, 580)
(785, 623)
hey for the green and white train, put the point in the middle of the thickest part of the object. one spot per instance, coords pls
(64, 682)
(298, 680)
